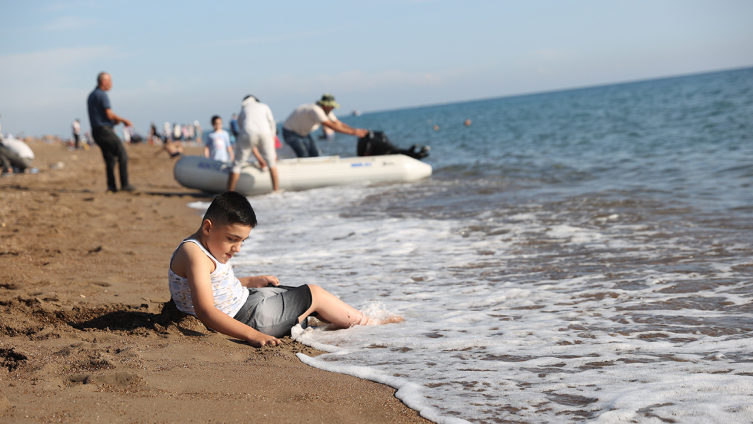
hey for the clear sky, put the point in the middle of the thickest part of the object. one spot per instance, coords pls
(181, 61)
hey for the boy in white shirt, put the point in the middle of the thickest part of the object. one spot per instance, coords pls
(217, 144)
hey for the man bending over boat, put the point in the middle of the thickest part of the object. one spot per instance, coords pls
(256, 134)
(307, 118)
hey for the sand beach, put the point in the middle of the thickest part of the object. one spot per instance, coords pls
(87, 333)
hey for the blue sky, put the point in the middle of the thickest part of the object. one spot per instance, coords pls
(181, 61)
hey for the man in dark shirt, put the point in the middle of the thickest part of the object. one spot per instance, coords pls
(234, 129)
(102, 120)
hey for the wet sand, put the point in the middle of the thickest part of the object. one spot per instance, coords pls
(87, 332)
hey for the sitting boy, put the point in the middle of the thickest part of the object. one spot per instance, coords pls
(255, 309)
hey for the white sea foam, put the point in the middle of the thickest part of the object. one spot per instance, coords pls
(528, 318)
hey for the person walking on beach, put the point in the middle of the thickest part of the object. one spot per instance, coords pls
(76, 133)
(256, 135)
(307, 118)
(102, 120)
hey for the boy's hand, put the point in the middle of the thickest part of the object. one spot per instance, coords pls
(260, 281)
(268, 280)
(265, 340)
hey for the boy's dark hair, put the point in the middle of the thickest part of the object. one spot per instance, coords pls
(231, 208)
(215, 117)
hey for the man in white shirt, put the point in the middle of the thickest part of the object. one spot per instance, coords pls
(307, 118)
(15, 154)
(256, 134)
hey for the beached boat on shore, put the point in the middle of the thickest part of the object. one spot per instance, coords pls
(300, 173)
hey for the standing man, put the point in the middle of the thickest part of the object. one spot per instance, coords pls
(76, 132)
(102, 119)
(306, 118)
(256, 135)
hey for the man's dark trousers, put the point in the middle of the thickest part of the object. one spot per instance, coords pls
(112, 151)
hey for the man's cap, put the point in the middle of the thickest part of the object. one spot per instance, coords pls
(329, 101)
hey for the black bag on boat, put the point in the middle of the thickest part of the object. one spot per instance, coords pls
(375, 143)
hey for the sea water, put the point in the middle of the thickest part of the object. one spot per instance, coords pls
(582, 255)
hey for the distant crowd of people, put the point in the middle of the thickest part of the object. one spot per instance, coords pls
(176, 133)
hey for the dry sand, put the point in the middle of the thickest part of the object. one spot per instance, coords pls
(86, 330)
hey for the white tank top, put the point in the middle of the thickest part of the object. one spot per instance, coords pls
(228, 292)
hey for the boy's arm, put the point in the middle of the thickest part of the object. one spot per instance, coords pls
(206, 152)
(259, 281)
(197, 272)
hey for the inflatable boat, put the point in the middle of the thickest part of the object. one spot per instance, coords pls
(300, 173)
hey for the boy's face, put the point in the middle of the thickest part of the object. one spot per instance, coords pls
(224, 241)
(217, 124)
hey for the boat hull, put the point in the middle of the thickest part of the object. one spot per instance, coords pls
(300, 173)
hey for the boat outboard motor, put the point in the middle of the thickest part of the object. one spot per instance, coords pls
(375, 143)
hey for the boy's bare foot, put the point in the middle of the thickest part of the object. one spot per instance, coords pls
(394, 319)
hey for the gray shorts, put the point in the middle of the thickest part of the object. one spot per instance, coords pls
(275, 310)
